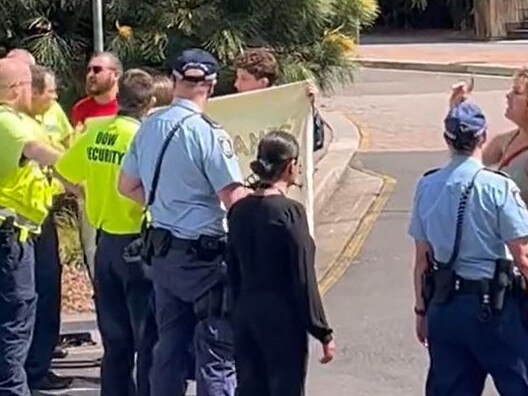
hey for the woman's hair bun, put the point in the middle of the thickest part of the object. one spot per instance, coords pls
(275, 150)
(261, 168)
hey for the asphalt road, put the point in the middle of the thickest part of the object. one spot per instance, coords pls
(403, 111)
(371, 307)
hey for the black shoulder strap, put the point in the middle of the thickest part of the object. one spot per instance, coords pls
(462, 205)
(498, 172)
(210, 121)
(431, 171)
(157, 169)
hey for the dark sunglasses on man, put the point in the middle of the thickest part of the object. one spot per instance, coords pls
(97, 69)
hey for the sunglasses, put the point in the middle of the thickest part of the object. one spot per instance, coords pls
(97, 69)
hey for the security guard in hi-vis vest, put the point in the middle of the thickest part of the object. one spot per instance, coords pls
(123, 291)
(49, 121)
(24, 203)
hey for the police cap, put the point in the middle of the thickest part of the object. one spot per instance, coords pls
(464, 123)
(195, 65)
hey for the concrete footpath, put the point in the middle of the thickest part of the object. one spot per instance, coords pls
(345, 196)
(439, 52)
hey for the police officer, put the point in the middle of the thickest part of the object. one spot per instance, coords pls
(198, 173)
(122, 289)
(464, 220)
(24, 199)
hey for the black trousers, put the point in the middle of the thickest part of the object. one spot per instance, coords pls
(271, 346)
(122, 300)
(48, 272)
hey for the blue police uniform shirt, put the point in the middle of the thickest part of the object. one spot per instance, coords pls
(199, 162)
(495, 214)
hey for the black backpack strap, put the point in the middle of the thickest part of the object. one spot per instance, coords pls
(157, 169)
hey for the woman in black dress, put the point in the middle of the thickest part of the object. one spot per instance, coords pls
(271, 265)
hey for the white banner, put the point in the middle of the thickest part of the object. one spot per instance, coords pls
(247, 117)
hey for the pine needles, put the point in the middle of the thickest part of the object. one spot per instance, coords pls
(313, 38)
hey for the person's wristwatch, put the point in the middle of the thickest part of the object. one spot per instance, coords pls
(419, 312)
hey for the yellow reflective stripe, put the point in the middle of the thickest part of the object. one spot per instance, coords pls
(20, 221)
(23, 235)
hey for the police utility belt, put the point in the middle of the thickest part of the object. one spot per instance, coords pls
(159, 241)
(440, 282)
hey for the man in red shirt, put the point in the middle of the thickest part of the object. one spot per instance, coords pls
(103, 72)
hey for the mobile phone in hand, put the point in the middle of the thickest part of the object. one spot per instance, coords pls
(470, 84)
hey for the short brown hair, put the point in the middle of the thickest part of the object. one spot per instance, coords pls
(163, 89)
(260, 63)
(136, 89)
(113, 58)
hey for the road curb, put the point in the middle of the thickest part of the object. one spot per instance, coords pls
(333, 271)
(73, 324)
(440, 67)
(337, 268)
(342, 149)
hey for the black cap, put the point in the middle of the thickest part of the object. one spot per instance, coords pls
(195, 65)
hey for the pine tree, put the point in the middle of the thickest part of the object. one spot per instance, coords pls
(312, 38)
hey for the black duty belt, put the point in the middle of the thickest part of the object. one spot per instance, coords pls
(203, 242)
(205, 248)
(182, 244)
(467, 286)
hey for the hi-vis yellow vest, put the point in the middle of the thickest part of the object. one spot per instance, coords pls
(43, 128)
(94, 160)
(24, 189)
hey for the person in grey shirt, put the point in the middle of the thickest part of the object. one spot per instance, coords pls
(199, 172)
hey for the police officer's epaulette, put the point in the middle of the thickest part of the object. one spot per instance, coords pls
(498, 172)
(210, 121)
(431, 171)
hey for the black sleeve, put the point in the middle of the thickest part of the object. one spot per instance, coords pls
(318, 131)
(233, 269)
(302, 257)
